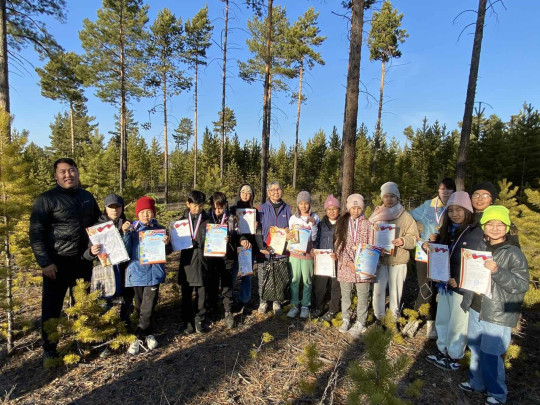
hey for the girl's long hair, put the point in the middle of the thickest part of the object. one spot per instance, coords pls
(444, 234)
(340, 235)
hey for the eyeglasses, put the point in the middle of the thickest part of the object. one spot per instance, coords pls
(495, 226)
(476, 196)
(274, 190)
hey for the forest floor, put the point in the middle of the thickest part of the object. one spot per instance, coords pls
(234, 367)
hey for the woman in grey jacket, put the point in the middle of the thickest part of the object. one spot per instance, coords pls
(491, 319)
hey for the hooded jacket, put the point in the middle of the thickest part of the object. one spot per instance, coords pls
(58, 223)
(137, 274)
(508, 287)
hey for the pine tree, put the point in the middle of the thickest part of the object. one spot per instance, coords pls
(165, 49)
(329, 176)
(114, 46)
(198, 34)
(61, 136)
(183, 133)
(384, 38)
(98, 175)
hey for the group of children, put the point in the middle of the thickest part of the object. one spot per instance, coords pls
(462, 317)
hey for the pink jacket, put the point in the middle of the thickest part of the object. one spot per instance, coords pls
(364, 234)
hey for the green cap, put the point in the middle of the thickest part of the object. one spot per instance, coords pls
(496, 212)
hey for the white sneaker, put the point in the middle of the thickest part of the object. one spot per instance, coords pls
(304, 313)
(357, 329)
(345, 323)
(263, 306)
(134, 347)
(293, 313)
(151, 342)
(277, 308)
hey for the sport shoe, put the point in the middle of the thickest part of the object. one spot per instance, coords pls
(345, 323)
(316, 313)
(492, 401)
(263, 306)
(187, 328)
(431, 332)
(329, 316)
(134, 347)
(466, 387)
(357, 330)
(304, 313)
(229, 320)
(448, 364)
(293, 313)
(434, 358)
(151, 342)
(277, 308)
(199, 328)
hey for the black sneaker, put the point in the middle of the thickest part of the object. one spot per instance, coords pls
(448, 364)
(187, 328)
(329, 316)
(434, 358)
(229, 320)
(316, 313)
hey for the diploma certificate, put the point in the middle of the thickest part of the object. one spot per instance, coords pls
(438, 262)
(151, 246)
(383, 237)
(474, 275)
(246, 220)
(215, 242)
(300, 245)
(366, 261)
(112, 250)
(419, 254)
(181, 235)
(277, 238)
(325, 265)
(245, 261)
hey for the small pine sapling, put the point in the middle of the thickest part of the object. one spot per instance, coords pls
(310, 360)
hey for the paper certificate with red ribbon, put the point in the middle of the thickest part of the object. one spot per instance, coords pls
(181, 235)
(366, 261)
(325, 265)
(383, 237)
(112, 250)
(246, 220)
(151, 246)
(474, 275)
(215, 242)
(438, 262)
(277, 238)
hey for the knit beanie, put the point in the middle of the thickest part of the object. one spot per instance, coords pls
(331, 201)
(486, 185)
(303, 196)
(390, 188)
(462, 199)
(355, 200)
(497, 212)
(145, 203)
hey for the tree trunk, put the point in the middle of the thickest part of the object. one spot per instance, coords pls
(72, 128)
(224, 77)
(377, 144)
(348, 148)
(469, 101)
(7, 253)
(4, 71)
(166, 143)
(295, 163)
(195, 131)
(123, 143)
(265, 144)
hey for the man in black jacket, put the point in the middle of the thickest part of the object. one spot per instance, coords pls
(58, 239)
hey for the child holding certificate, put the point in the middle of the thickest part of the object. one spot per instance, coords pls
(491, 318)
(144, 278)
(352, 229)
(220, 269)
(459, 230)
(301, 263)
(192, 275)
(325, 240)
(393, 267)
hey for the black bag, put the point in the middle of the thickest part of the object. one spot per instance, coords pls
(276, 280)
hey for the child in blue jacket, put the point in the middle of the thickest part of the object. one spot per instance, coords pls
(144, 278)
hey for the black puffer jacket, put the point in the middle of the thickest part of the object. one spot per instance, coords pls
(58, 223)
(325, 235)
(508, 287)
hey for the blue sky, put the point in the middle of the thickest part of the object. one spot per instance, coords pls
(429, 80)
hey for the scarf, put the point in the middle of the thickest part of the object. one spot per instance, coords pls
(386, 214)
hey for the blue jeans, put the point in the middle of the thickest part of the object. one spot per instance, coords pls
(488, 342)
(244, 295)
